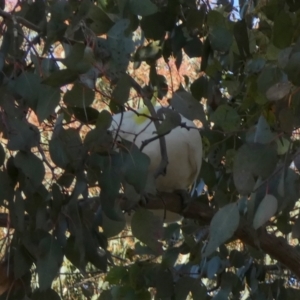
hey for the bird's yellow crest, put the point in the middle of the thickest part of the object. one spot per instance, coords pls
(138, 119)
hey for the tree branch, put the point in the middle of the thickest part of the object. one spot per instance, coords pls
(276, 247)
(20, 20)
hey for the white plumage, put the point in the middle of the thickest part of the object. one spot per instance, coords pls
(184, 148)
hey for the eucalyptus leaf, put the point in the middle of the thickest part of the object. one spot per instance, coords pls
(266, 210)
(31, 166)
(79, 96)
(222, 227)
(188, 106)
(148, 229)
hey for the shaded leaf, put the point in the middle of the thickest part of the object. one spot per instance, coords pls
(283, 30)
(142, 8)
(48, 262)
(171, 120)
(199, 88)
(293, 69)
(278, 91)
(253, 160)
(79, 96)
(60, 78)
(164, 284)
(2, 155)
(48, 100)
(31, 166)
(134, 166)
(188, 106)
(22, 136)
(120, 93)
(26, 85)
(266, 210)
(213, 266)
(222, 227)
(148, 229)
(58, 154)
(296, 229)
(220, 39)
(226, 117)
(87, 115)
(263, 133)
(47, 294)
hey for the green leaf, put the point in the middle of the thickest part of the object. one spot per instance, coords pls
(266, 210)
(73, 254)
(188, 106)
(101, 20)
(117, 274)
(86, 115)
(148, 229)
(111, 227)
(171, 120)
(142, 8)
(47, 294)
(268, 77)
(120, 93)
(6, 188)
(26, 85)
(134, 166)
(35, 12)
(215, 18)
(31, 166)
(220, 39)
(148, 53)
(98, 140)
(283, 145)
(74, 58)
(226, 117)
(58, 153)
(293, 69)
(193, 48)
(61, 77)
(22, 262)
(120, 46)
(199, 88)
(254, 66)
(104, 120)
(213, 266)
(22, 135)
(253, 160)
(296, 229)
(48, 100)
(79, 96)
(263, 133)
(278, 91)
(185, 285)
(66, 148)
(154, 32)
(48, 262)
(2, 155)
(282, 30)
(164, 283)
(222, 227)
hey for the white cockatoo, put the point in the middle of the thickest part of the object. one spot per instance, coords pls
(183, 144)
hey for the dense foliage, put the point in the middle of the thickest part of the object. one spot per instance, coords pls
(66, 66)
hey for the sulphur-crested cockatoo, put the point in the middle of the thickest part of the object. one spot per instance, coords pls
(184, 150)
